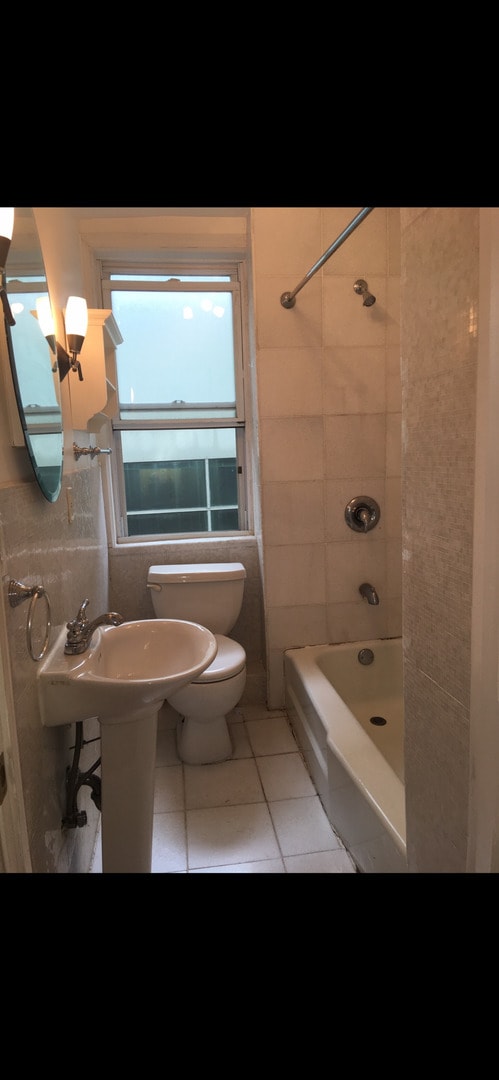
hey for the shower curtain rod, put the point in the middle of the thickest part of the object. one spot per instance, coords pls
(288, 298)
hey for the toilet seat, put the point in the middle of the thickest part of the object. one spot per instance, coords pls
(229, 661)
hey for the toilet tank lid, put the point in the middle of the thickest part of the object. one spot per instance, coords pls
(176, 572)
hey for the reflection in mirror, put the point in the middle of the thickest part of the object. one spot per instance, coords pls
(34, 370)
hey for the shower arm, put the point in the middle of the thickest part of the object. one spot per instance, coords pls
(288, 298)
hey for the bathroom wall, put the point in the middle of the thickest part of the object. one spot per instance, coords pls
(328, 375)
(439, 335)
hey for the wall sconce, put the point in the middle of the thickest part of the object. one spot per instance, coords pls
(76, 322)
(6, 230)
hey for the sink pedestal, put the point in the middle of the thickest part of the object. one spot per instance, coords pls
(122, 677)
(128, 759)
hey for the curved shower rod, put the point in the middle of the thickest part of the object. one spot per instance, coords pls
(288, 298)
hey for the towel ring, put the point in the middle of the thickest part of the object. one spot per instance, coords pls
(17, 594)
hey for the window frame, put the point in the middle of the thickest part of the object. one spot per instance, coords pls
(235, 269)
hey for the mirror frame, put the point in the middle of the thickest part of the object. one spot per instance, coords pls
(34, 263)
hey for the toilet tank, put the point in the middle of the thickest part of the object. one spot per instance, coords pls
(206, 593)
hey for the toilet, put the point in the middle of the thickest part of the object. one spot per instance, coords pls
(210, 594)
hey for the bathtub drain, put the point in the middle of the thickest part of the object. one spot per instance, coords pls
(378, 720)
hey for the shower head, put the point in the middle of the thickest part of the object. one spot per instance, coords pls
(361, 289)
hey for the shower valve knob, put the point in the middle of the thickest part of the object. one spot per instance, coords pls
(362, 513)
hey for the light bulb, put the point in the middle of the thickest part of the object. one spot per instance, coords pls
(45, 317)
(76, 316)
(6, 230)
(6, 221)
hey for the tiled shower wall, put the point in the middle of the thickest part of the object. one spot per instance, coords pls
(329, 395)
(439, 358)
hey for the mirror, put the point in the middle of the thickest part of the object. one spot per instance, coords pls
(34, 367)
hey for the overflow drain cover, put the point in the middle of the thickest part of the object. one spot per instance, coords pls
(378, 720)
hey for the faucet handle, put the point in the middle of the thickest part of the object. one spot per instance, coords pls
(81, 619)
(362, 513)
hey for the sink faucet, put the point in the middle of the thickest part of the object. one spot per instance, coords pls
(80, 630)
(369, 593)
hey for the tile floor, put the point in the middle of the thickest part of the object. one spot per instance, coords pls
(258, 813)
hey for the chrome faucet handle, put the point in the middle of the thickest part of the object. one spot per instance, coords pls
(81, 619)
(362, 513)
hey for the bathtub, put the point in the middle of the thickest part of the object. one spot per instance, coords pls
(348, 721)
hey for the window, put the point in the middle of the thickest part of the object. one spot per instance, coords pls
(180, 433)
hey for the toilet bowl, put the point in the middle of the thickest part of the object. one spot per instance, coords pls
(210, 594)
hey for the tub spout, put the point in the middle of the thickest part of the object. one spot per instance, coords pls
(369, 593)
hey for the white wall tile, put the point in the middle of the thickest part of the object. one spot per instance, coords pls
(292, 449)
(294, 512)
(295, 571)
(290, 382)
(355, 445)
(354, 380)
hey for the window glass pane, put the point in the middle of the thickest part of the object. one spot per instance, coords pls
(224, 520)
(177, 346)
(180, 481)
(154, 485)
(146, 525)
(185, 444)
(222, 481)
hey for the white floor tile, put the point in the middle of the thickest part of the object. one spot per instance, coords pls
(224, 818)
(168, 788)
(271, 736)
(266, 866)
(224, 784)
(241, 746)
(230, 834)
(169, 854)
(320, 862)
(302, 826)
(284, 776)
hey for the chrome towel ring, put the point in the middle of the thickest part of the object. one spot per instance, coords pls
(17, 594)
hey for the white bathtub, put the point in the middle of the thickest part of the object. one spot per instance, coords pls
(348, 721)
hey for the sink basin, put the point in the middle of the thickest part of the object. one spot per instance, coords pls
(126, 671)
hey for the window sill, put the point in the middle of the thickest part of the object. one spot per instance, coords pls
(128, 544)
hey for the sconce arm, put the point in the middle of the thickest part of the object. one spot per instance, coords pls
(66, 363)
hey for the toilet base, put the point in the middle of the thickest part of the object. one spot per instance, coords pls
(203, 742)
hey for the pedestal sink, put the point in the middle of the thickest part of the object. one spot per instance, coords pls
(123, 679)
